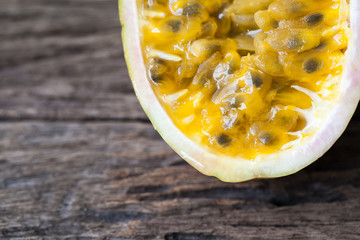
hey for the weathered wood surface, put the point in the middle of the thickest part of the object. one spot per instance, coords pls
(63, 60)
(79, 159)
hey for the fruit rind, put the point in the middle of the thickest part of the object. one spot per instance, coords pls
(237, 169)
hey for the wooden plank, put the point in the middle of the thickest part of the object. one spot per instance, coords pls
(121, 181)
(63, 61)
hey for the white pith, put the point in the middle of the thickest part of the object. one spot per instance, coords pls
(332, 119)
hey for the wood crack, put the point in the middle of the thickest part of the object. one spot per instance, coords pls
(68, 202)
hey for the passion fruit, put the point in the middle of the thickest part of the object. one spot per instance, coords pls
(245, 89)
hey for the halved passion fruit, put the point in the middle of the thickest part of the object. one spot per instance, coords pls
(245, 89)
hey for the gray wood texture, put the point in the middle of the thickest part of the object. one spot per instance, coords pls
(80, 160)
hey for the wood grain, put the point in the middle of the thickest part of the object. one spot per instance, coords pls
(63, 61)
(121, 181)
(80, 160)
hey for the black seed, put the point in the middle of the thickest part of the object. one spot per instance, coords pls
(207, 29)
(267, 138)
(257, 80)
(276, 86)
(213, 49)
(155, 61)
(231, 70)
(236, 102)
(157, 69)
(314, 19)
(174, 25)
(157, 78)
(311, 66)
(223, 140)
(294, 43)
(275, 24)
(208, 73)
(321, 46)
(192, 10)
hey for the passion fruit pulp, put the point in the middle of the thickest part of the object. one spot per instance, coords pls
(244, 88)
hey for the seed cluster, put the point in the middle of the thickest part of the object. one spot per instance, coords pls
(236, 75)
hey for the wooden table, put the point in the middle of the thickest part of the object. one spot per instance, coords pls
(80, 160)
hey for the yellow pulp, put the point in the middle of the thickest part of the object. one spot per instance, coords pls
(235, 75)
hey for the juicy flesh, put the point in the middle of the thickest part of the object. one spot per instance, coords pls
(238, 76)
